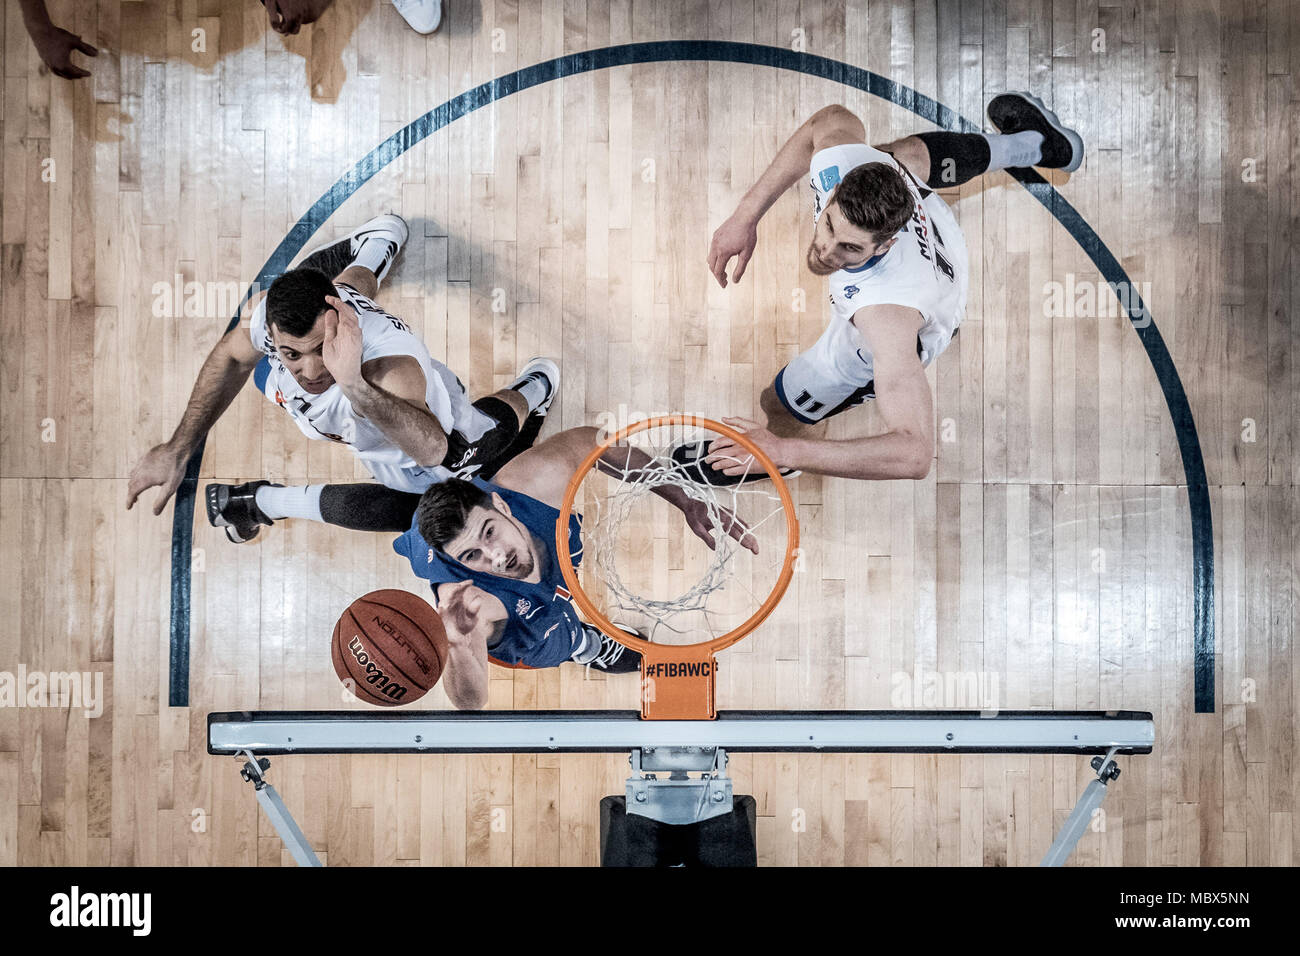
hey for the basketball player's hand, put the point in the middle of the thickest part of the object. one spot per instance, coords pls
(288, 16)
(55, 46)
(342, 348)
(466, 613)
(735, 237)
(162, 467)
(730, 458)
(701, 523)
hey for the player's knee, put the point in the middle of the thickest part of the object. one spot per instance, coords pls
(912, 152)
(359, 278)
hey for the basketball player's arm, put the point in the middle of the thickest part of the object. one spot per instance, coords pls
(830, 126)
(544, 472)
(906, 448)
(389, 391)
(473, 619)
(223, 374)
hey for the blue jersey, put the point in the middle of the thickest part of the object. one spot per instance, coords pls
(542, 626)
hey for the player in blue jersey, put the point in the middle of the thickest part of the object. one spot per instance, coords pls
(488, 550)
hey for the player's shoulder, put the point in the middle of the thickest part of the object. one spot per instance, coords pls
(833, 163)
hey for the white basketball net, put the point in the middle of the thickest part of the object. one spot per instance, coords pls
(607, 526)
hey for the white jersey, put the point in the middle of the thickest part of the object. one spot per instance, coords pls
(329, 416)
(926, 268)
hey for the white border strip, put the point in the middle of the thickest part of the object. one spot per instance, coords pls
(923, 733)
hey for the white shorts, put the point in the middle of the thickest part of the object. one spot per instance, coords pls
(828, 378)
(414, 479)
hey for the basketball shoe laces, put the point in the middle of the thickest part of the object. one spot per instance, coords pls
(609, 654)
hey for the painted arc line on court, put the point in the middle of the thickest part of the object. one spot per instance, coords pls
(573, 64)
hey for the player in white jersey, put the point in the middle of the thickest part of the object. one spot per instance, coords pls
(898, 273)
(349, 372)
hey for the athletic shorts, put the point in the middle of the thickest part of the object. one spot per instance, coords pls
(828, 378)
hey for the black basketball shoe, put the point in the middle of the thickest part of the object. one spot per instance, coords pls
(234, 507)
(604, 653)
(1017, 112)
(334, 258)
(690, 457)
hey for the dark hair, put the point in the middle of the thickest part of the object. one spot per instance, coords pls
(445, 507)
(874, 197)
(296, 299)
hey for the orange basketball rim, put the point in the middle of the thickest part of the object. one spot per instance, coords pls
(677, 679)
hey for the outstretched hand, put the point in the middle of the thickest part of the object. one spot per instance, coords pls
(732, 458)
(161, 467)
(701, 523)
(55, 45)
(342, 347)
(734, 238)
(288, 16)
(466, 613)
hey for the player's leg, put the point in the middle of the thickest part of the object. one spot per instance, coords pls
(1029, 134)
(242, 510)
(362, 258)
(779, 420)
(510, 420)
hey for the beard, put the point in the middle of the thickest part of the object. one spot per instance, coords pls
(815, 265)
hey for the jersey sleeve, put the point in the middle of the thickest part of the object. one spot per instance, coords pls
(832, 164)
(257, 330)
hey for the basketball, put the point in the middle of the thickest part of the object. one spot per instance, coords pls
(389, 647)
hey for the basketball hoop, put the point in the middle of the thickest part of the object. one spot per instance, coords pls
(677, 678)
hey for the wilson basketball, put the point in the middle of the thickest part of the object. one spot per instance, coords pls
(389, 647)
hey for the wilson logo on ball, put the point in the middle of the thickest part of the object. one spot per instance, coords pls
(400, 639)
(374, 675)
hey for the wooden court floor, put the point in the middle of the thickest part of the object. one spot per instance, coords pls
(1048, 553)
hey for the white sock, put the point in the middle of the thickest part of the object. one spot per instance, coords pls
(375, 254)
(1015, 150)
(301, 501)
(534, 391)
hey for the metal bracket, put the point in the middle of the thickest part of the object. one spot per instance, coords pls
(1081, 816)
(295, 840)
(680, 799)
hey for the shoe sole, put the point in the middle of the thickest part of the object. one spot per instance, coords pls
(214, 505)
(1054, 121)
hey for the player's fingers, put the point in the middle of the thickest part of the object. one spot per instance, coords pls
(741, 424)
(163, 498)
(85, 47)
(741, 262)
(719, 268)
(133, 490)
